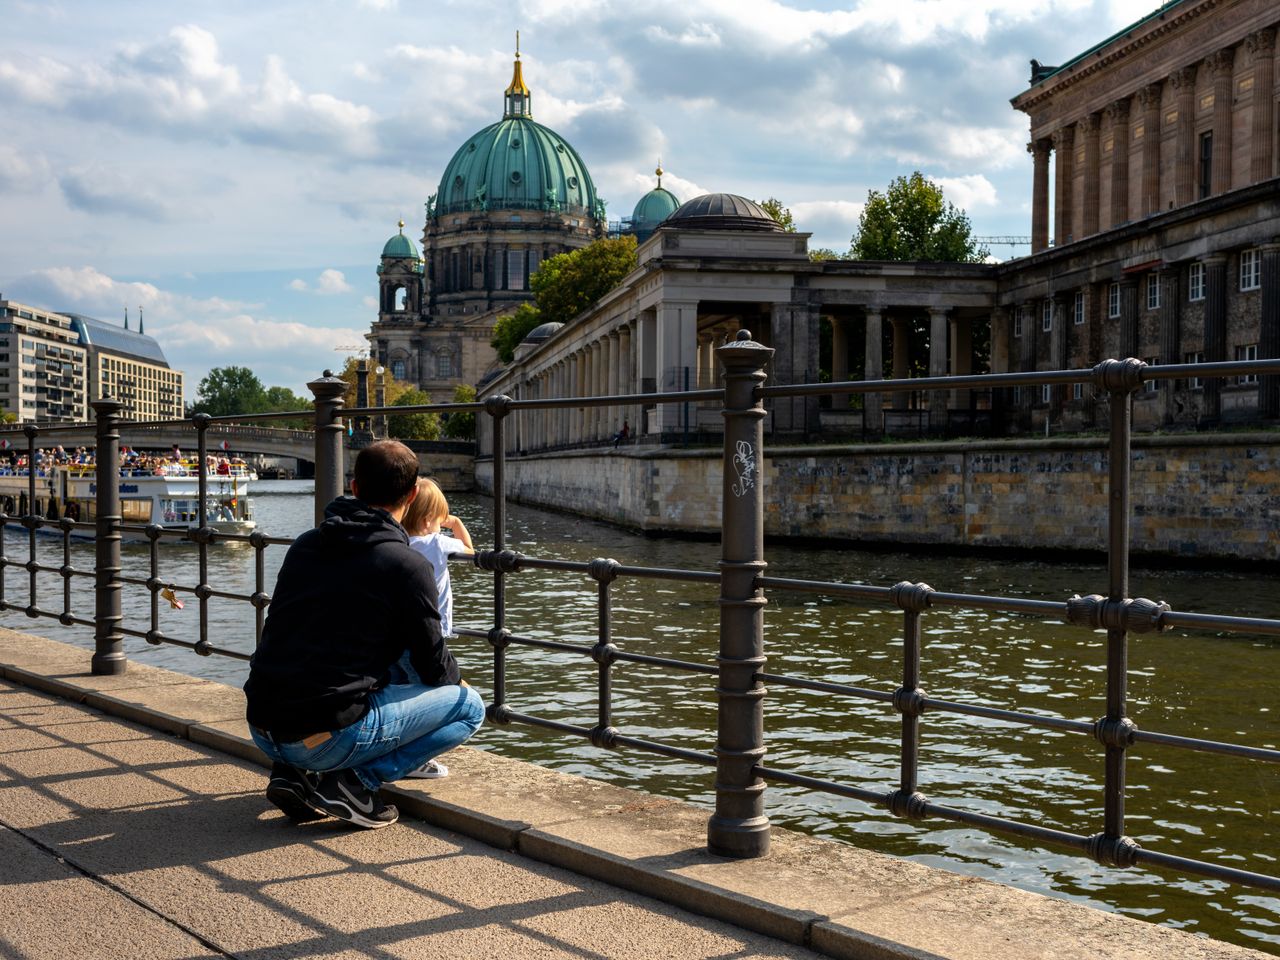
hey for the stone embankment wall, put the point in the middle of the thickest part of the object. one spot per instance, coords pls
(1194, 495)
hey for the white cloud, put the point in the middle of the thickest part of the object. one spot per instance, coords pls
(380, 5)
(22, 171)
(328, 283)
(298, 284)
(98, 189)
(369, 302)
(826, 218)
(968, 193)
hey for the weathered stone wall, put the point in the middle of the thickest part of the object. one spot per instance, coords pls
(1192, 496)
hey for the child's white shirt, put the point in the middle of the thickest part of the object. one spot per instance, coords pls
(437, 548)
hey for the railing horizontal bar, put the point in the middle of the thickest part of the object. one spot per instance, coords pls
(825, 786)
(671, 396)
(824, 686)
(1212, 870)
(654, 573)
(668, 662)
(552, 645)
(1012, 716)
(678, 753)
(1013, 827)
(1209, 621)
(412, 408)
(1042, 608)
(187, 644)
(861, 591)
(1207, 746)
(556, 725)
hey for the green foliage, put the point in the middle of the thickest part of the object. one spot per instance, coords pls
(461, 425)
(280, 399)
(413, 426)
(569, 283)
(773, 206)
(350, 373)
(825, 253)
(230, 390)
(511, 329)
(912, 221)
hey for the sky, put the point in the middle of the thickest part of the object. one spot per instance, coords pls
(232, 168)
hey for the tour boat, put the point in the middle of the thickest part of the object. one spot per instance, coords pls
(167, 496)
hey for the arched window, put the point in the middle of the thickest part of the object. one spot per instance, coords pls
(400, 299)
(397, 369)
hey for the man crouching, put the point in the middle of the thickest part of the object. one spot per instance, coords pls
(351, 599)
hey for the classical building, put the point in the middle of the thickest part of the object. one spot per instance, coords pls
(1161, 146)
(514, 194)
(53, 364)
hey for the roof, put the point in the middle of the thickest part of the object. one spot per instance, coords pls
(1044, 73)
(400, 247)
(722, 211)
(113, 339)
(541, 332)
(654, 207)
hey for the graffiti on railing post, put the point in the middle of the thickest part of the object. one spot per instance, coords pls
(739, 827)
(328, 391)
(108, 641)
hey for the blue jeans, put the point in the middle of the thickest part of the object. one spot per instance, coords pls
(407, 725)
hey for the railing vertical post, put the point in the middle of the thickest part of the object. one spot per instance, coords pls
(497, 408)
(328, 391)
(1120, 378)
(739, 827)
(108, 642)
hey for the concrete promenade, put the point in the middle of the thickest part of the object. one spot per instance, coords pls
(132, 824)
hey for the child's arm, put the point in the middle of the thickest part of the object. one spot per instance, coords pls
(459, 530)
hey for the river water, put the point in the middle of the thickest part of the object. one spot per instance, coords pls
(1194, 684)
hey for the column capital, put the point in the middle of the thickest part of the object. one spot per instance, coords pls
(1117, 111)
(1040, 148)
(944, 312)
(1262, 44)
(1149, 96)
(1220, 62)
(1214, 260)
(1091, 124)
(1184, 79)
(1271, 246)
(1064, 137)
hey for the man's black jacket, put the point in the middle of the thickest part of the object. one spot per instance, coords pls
(351, 597)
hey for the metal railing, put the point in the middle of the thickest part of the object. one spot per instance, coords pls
(740, 825)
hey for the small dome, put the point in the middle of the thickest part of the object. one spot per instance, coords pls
(542, 332)
(400, 247)
(654, 207)
(723, 211)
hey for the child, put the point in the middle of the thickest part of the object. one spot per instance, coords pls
(423, 521)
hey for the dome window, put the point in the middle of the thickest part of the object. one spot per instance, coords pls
(559, 148)
(573, 182)
(515, 143)
(471, 147)
(515, 176)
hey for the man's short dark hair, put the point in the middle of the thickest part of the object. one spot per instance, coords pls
(385, 473)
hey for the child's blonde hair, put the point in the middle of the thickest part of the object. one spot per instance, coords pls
(428, 505)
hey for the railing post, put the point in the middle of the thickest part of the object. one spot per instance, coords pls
(739, 827)
(328, 391)
(108, 642)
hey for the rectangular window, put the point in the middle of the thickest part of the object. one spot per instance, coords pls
(1113, 301)
(1046, 393)
(1077, 391)
(1017, 322)
(515, 269)
(1247, 352)
(1078, 309)
(1046, 316)
(1153, 291)
(1206, 164)
(1251, 270)
(1017, 396)
(1195, 282)
(444, 366)
(1194, 383)
(1150, 386)
(397, 369)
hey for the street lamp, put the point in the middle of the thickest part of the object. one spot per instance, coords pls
(380, 400)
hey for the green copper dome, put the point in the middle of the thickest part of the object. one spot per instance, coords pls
(654, 207)
(400, 246)
(517, 164)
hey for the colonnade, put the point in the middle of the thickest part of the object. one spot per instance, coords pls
(1170, 102)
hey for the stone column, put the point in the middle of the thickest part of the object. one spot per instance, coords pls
(1039, 150)
(626, 374)
(937, 367)
(1128, 346)
(1089, 128)
(1060, 341)
(1262, 48)
(961, 357)
(1170, 332)
(1215, 330)
(1118, 121)
(1149, 98)
(901, 360)
(873, 369)
(612, 415)
(1269, 329)
(580, 390)
(1184, 168)
(1000, 335)
(706, 360)
(839, 361)
(599, 386)
(1064, 149)
(1222, 68)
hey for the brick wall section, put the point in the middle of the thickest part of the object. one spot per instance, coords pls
(1195, 495)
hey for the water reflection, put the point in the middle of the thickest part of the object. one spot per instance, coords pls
(1201, 806)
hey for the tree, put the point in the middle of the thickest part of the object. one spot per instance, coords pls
(511, 329)
(280, 399)
(773, 206)
(912, 221)
(461, 424)
(569, 283)
(825, 253)
(230, 390)
(413, 426)
(350, 373)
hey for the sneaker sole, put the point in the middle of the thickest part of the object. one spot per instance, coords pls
(343, 811)
(290, 800)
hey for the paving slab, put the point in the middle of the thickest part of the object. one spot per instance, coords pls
(176, 819)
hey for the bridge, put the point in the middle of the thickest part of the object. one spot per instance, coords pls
(242, 439)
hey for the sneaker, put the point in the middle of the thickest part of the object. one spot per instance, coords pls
(290, 789)
(431, 770)
(341, 794)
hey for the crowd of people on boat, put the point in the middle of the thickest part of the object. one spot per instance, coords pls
(133, 463)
